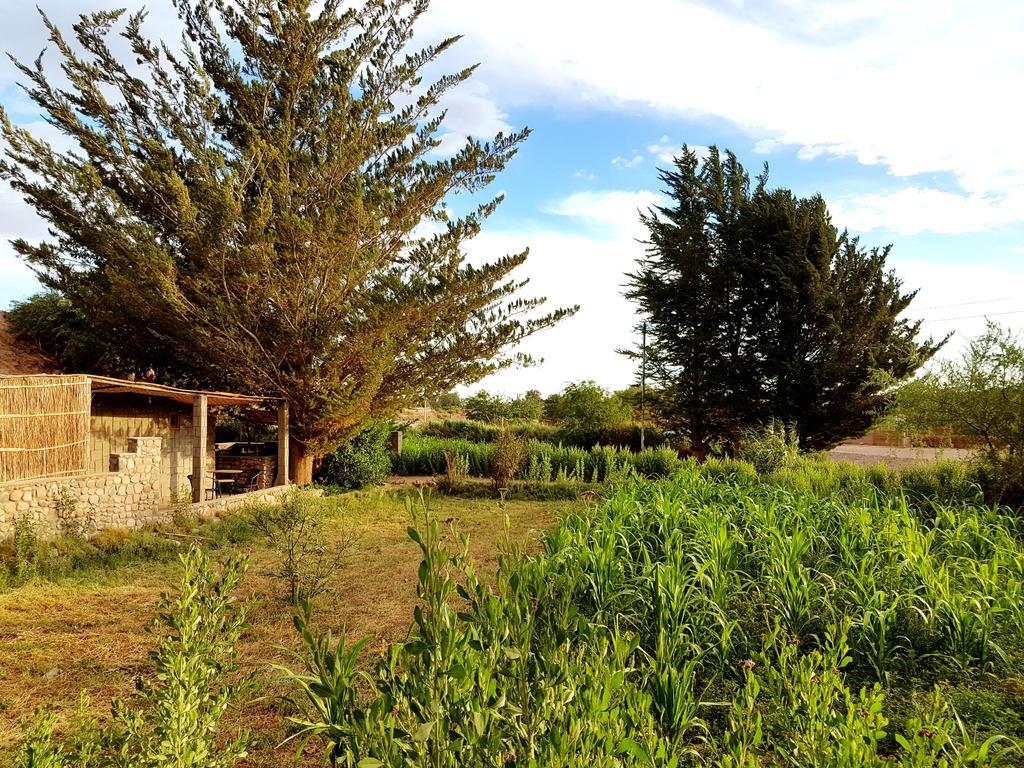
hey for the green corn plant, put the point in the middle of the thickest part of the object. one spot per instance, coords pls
(327, 691)
(877, 640)
(675, 701)
(741, 744)
(175, 723)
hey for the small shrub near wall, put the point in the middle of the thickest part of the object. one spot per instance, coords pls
(363, 462)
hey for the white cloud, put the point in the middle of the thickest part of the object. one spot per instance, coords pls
(471, 111)
(628, 162)
(958, 299)
(917, 87)
(612, 211)
(666, 151)
(584, 174)
(917, 209)
(568, 270)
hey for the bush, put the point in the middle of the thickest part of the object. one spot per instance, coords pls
(426, 456)
(769, 448)
(175, 721)
(306, 559)
(1001, 477)
(110, 540)
(364, 461)
(50, 321)
(510, 452)
(495, 409)
(619, 436)
(482, 432)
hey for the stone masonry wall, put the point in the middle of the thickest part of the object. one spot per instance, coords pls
(125, 497)
(129, 496)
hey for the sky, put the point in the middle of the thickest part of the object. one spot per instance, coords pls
(905, 116)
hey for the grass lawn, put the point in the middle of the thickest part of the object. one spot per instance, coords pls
(89, 632)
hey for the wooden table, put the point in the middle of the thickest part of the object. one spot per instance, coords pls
(220, 482)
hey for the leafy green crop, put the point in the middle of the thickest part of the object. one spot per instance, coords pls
(708, 619)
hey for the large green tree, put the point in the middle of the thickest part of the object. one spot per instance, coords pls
(758, 308)
(263, 207)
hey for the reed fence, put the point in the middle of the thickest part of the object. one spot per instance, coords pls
(44, 426)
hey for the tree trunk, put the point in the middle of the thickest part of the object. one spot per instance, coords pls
(300, 462)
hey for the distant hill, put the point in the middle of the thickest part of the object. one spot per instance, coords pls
(18, 357)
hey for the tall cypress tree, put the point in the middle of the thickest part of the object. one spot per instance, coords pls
(758, 308)
(247, 211)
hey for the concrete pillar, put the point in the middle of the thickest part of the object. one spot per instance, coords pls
(199, 425)
(282, 444)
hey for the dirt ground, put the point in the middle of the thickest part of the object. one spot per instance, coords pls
(59, 639)
(18, 358)
(895, 458)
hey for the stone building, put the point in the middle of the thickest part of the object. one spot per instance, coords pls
(95, 452)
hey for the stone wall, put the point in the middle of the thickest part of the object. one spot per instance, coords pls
(125, 497)
(214, 507)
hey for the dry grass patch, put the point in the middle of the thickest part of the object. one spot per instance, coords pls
(94, 634)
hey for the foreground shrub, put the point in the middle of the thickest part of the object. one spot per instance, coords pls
(174, 720)
(362, 462)
(306, 559)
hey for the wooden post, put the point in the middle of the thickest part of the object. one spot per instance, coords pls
(199, 425)
(282, 444)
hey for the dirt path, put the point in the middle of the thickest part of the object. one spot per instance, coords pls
(895, 458)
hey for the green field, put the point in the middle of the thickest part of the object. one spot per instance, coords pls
(714, 618)
(820, 616)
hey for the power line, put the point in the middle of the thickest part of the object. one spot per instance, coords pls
(973, 317)
(964, 303)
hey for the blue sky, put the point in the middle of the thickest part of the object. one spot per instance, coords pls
(905, 116)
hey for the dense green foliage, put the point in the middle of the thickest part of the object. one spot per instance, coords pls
(769, 448)
(244, 210)
(544, 461)
(980, 395)
(619, 435)
(583, 410)
(363, 461)
(757, 308)
(483, 432)
(174, 719)
(718, 621)
(495, 409)
(62, 332)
